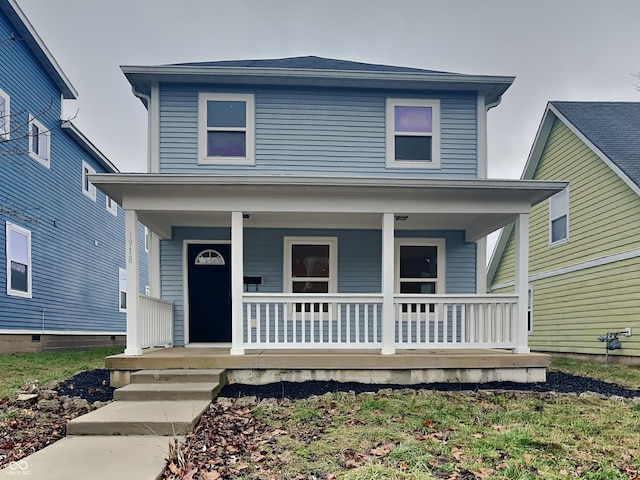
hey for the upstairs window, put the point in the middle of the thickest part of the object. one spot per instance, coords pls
(87, 187)
(559, 217)
(5, 115)
(226, 128)
(111, 205)
(18, 245)
(413, 133)
(39, 142)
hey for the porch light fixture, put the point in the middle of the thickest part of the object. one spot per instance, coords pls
(401, 218)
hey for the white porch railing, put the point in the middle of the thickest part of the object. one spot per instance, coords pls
(155, 320)
(355, 321)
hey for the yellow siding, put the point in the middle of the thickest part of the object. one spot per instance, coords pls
(571, 310)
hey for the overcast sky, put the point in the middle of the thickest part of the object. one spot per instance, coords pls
(556, 49)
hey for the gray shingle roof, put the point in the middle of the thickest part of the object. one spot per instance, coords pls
(309, 62)
(613, 127)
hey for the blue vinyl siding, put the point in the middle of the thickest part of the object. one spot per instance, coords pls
(77, 246)
(359, 260)
(316, 132)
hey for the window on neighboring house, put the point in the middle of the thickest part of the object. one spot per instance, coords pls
(146, 239)
(413, 133)
(226, 128)
(420, 268)
(5, 115)
(18, 244)
(122, 289)
(112, 206)
(87, 187)
(311, 266)
(530, 310)
(559, 217)
(39, 142)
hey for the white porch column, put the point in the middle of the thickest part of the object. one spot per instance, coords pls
(522, 281)
(132, 262)
(388, 315)
(481, 266)
(154, 265)
(237, 282)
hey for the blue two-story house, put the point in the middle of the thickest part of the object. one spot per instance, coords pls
(62, 263)
(310, 204)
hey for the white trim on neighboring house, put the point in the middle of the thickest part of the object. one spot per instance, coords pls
(28, 267)
(39, 142)
(185, 284)
(5, 116)
(391, 133)
(439, 243)
(530, 310)
(248, 129)
(88, 188)
(576, 267)
(111, 205)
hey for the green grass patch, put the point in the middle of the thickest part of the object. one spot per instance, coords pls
(20, 369)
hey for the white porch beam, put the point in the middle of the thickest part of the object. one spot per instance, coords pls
(388, 317)
(132, 265)
(522, 281)
(237, 281)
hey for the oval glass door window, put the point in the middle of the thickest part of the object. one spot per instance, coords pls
(209, 257)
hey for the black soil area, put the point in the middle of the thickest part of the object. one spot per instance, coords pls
(94, 386)
(556, 382)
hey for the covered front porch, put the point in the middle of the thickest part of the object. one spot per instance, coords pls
(373, 317)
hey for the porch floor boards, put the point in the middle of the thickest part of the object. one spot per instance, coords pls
(301, 359)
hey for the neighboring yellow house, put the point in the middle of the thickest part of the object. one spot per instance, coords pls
(584, 248)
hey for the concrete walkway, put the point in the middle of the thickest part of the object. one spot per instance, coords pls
(128, 438)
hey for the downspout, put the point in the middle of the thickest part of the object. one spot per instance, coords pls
(146, 100)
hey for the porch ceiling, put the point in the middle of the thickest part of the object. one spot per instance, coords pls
(476, 206)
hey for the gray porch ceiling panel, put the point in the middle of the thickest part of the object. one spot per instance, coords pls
(477, 206)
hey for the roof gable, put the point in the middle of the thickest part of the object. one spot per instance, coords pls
(26, 32)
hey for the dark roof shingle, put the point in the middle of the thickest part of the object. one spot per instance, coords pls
(613, 127)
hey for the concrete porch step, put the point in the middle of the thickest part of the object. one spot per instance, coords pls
(167, 391)
(178, 375)
(160, 418)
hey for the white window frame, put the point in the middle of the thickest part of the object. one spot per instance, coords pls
(5, 130)
(249, 129)
(17, 293)
(439, 243)
(288, 279)
(434, 134)
(530, 310)
(44, 138)
(122, 288)
(88, 188)
(110, 204)
(559, 207)
(146, 239)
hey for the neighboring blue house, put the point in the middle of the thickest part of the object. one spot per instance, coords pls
(62, 257)
(308, 202)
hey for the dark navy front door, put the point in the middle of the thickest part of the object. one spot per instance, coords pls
(209, 271)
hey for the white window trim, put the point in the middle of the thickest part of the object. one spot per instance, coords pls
(333, 260)
(530, 310)
(249, 99)
(87, 170)
(16, 293)
(44, 134)
(122, 273)
(5, 132)
(435, 134)
(110, 204)
(439, 243)
(565, 211)
(146, 239)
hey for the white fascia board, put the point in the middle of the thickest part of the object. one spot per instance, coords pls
(85, 143)
(539, 143)
(596, 150)
(38, 47)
